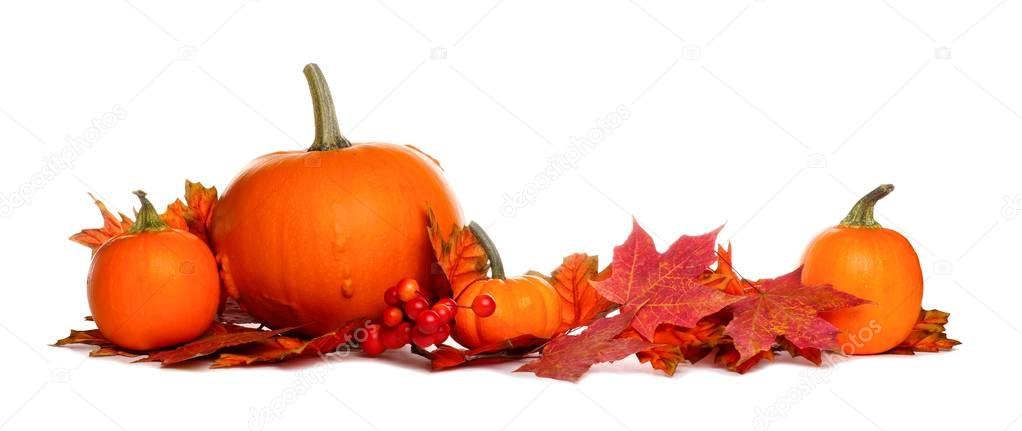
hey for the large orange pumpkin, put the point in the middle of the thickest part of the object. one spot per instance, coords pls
(862, 258)
(313, 238)
(153, 286)
(526, 305)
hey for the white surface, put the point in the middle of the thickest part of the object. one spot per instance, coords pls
(772, 116)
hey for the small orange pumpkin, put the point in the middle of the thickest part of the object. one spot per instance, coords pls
(153, 286)
(860, 257)
(526, 305)
(313, 238)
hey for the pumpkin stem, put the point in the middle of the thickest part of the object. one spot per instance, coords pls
(147, 220)
(861, 214)
(328, 131)
(496, 265)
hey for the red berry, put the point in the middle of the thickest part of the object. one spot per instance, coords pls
(407, 289)
(448, 302)
(427, 322)
(442, 333)
(393, 316)
(443, 311)
(451, 306)
(403, 333)
(391, 338)
(391, 298)
(484, 305)
(415, 306)
(422, 340)
(372, 345)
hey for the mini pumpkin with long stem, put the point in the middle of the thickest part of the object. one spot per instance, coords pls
(860, 257)
(525, 305)
(153, 286)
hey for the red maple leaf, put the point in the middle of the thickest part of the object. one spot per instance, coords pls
(93, 337)
(728, 357)
(446, 357)
(667, 283)
(211, 344)
(282, 348)
(784, 307)
(568, 357)
(236, 345)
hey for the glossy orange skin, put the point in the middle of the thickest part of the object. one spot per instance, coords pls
(525, 305)
(313, 239)
(876, 264)
(151, 290)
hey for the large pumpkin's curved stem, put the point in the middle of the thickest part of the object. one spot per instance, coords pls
(861, 214)
(148, 220)
(328, 131)
(496, 265)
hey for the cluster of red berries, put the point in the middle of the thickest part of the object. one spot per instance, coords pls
(410, 318)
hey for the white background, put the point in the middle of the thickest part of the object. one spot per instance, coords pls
(770, 116)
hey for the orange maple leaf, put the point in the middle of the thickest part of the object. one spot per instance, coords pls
(927, 335)
(194, 213)
(112, 226)
(724, 277)
(580, 301)
(676, 344)
(192, 216)
(459, 255)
